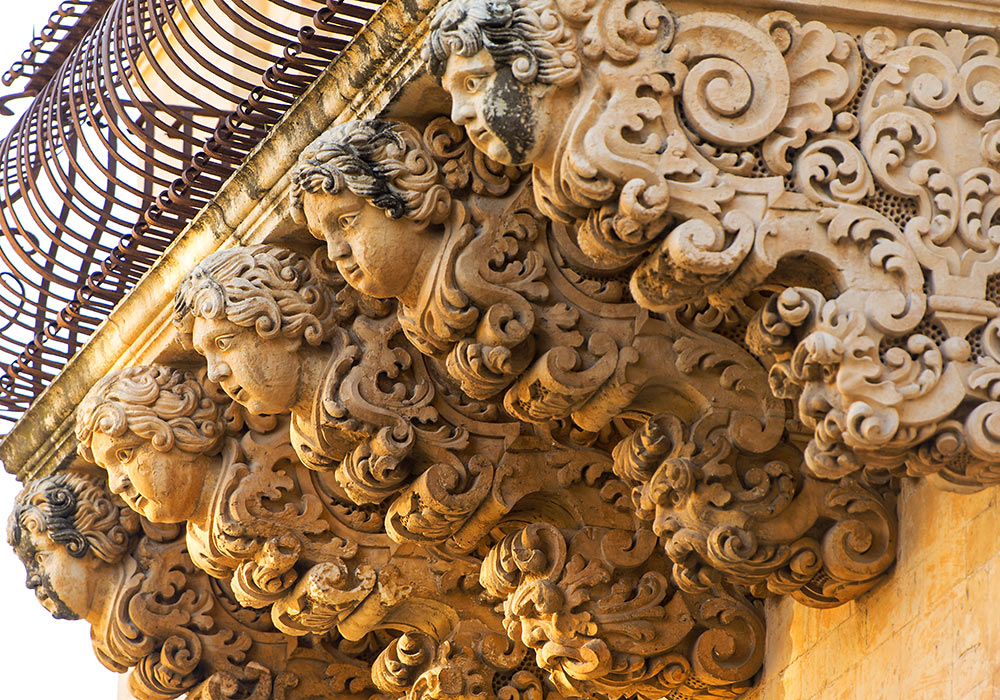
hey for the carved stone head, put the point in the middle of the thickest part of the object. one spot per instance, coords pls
(505, 64)
(70, 534)
(372, 191)
(258, 315)
(157, 433)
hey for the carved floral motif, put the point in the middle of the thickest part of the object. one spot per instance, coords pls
(723, 515)
(601, 619)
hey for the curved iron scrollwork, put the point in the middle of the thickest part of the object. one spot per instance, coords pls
(141, 110)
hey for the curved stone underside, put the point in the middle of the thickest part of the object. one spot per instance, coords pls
(645, 333)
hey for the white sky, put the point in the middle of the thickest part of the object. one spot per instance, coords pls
(41, 658)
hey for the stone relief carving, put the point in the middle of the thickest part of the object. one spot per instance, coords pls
(647, 332)
(285, 537)
(667, 351)
(151, 611)
(508, 311)
(761, 523)
(710, 157)
(248, 521)
(600, 617)
(445, 467)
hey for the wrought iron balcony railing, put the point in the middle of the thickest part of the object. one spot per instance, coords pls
(141, 109)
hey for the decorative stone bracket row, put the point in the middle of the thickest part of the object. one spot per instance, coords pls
(645, 333)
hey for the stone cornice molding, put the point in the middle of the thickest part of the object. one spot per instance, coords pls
(975, 15)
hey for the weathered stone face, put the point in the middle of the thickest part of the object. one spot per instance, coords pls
(63, 584)
(374, 253)
(262, 374)
(162, 486)
(506, 119)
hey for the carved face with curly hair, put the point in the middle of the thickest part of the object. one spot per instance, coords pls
(372, 191)
(260, 316)
(69, 532)
(508, 66)
(157, 433)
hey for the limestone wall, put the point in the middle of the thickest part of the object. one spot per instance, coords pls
(931, 632)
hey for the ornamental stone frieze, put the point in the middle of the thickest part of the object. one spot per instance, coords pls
(544, 393)
(709, 159)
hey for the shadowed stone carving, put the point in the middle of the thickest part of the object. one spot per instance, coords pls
(507, 309)
(710, 157)
(152, 613)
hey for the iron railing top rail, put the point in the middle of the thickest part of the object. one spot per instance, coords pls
(148, 107)
(49, 48)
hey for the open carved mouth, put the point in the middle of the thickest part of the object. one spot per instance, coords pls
(236, 393)
(479, 135)
(134, 500)
(350, 270)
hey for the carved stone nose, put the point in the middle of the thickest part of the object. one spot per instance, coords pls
(218, 370)
(118, 482)
(338, 250)
(462, 112)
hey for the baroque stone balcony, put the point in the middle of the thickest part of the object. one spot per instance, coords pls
(598, 349)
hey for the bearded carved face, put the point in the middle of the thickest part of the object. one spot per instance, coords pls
(165, 487)
(511, 121)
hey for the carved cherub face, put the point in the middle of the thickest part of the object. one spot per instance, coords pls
(511, 121)
(164, 486)
(377, 255)
(262, 374)
(63, 584)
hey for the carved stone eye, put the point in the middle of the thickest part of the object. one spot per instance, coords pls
(224, 342)
(346, 221)
(473, 83)
(124, 454)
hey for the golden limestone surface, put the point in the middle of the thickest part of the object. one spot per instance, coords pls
(646, 332)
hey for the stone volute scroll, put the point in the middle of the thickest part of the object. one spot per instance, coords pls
(165, 442)
(509, 309)
(536, 478)
(676, 362)
(443, 466)
(847, 182)
(622, 100)
(152, 613)
(284, 536)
